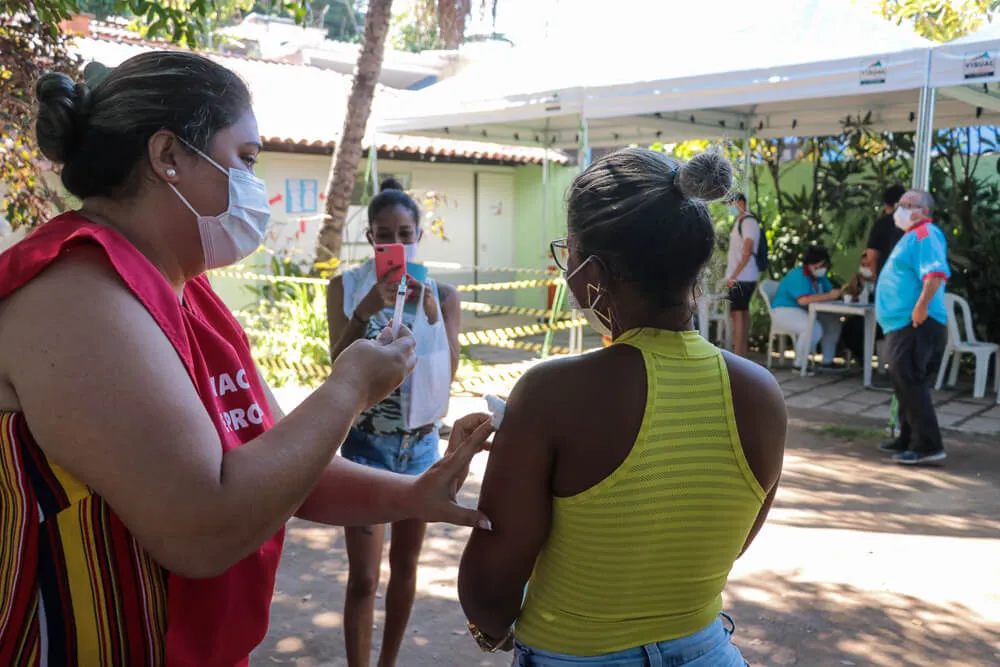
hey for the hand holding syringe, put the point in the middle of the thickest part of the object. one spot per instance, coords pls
(397, 313)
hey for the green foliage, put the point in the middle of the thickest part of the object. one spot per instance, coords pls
(939, 20)
(288, 323)
(30, 43)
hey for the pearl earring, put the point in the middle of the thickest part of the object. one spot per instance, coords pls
(171, 172)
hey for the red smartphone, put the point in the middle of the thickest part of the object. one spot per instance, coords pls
(390, 258)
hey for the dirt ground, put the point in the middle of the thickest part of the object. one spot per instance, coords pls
(861, 563)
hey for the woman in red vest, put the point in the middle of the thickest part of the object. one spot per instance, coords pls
(144, 481)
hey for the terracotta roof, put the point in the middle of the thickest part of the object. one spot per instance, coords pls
(301, 105)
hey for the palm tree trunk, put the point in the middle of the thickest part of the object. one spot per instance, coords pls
(452, 15)
(348, 151)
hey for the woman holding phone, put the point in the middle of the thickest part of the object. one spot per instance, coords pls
(360, 305)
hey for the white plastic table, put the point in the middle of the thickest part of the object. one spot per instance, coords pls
(839, 307)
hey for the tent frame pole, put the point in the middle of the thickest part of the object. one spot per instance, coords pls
(924, 141)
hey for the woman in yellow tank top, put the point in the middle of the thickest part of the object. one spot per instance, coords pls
(623, 484)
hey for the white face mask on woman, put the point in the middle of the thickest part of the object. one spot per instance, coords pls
(820, 272)
(867, 273)
(594, 318)
(239, 230)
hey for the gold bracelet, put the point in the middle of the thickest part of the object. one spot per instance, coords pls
(486, 643)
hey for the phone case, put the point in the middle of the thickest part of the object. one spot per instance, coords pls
(390, 258)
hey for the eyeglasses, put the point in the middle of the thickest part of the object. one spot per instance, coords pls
(560, 253)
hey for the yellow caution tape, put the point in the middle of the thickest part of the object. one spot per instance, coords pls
(489, 336)
(274, 335)
(430, 264)
(302, 369)
(321, 372)
(514, 284)
(247, 275)
(496, 337)
(477, 307)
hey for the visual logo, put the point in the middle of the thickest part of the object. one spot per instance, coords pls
(980, 65)
(873, 73)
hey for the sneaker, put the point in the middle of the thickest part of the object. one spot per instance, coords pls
(894, 446)
(915, 459)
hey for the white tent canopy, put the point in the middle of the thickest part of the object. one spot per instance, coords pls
(667, 71)
(965, 70)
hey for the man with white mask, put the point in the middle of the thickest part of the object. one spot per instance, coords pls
(910, 307)
(801, 286)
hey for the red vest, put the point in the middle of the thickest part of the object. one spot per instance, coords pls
(210, 622)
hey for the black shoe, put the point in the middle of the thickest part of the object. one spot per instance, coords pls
(915, 459)
(894, 446)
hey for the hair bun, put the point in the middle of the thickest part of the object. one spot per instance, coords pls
(390, 184)
(63, 107)
(708, 176)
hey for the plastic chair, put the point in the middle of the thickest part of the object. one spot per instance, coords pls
(719, 314)
(957, 346)
(767, 289)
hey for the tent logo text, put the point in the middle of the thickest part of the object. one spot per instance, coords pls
(874, 72)
(980, 65)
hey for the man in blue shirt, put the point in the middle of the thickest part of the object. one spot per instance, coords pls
(909, 305)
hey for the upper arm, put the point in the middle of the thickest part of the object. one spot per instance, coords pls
(516, 495)
(932, 256)
(336, 319)
(451, 313)
(128, 421)
(762, 424)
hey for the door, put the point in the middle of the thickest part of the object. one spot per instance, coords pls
(495, 235)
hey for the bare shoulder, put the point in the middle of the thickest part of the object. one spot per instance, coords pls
(82, 279)
(761, 417)
(447, 292)
(573, 384)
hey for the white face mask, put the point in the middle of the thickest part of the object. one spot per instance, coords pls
(903, 217)
(594, 318)
(238, 231)
(819, 273)
(866, 272)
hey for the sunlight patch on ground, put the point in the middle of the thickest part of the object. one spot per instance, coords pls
(328, 619)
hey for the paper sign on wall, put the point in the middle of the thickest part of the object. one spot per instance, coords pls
(874, 72)
(980, 65)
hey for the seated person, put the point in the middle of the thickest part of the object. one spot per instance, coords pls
(862, 288)
(803, 285)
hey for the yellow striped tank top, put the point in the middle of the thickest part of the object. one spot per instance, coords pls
(643, 556)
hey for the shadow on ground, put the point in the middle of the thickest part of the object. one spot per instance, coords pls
(835, 480)
(835, 477)
(782, 622)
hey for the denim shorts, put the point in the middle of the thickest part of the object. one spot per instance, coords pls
(706, 648)
(405, 453)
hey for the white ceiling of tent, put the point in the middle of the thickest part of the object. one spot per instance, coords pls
(965, 70)
(687, 70)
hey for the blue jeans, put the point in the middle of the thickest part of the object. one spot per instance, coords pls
(403, 453)
(706, 648)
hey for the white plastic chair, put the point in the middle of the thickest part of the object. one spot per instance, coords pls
(768, 288)
(957, 346)
(719, 314)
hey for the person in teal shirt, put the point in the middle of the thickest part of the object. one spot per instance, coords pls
(910, 307)
(801, 286)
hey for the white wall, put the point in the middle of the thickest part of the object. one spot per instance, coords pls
(454, 183)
